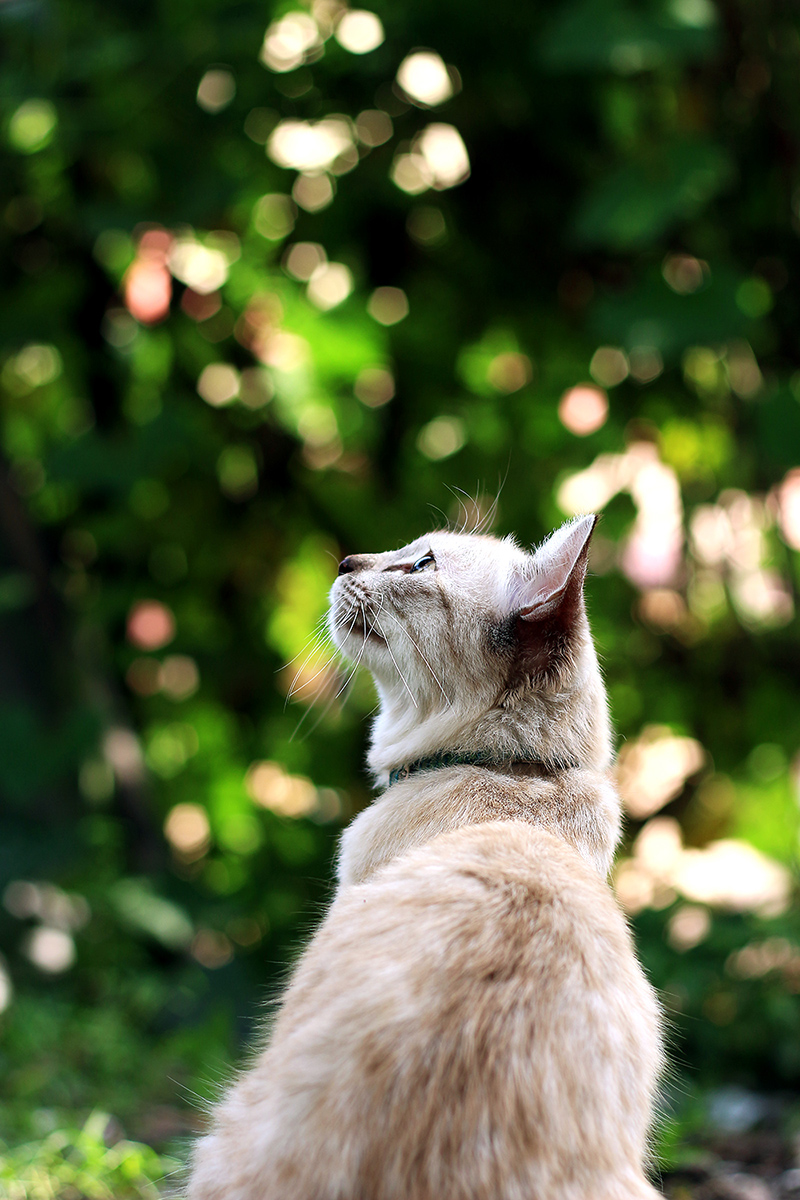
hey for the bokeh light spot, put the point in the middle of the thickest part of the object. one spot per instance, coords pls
(744, 373)
(51, 950)
(303, 259)
(151, 625)
(441, 437)
(123, 752)
(204, 268)
(426, 225)
(683, 273)
(583, 409)
(374, 127)
(96, 780)
(609, 366)
(754, 297)
(6, 987)
(653, 769)
(698, 14)
(147, 286)
(259, 124)
(388, 305)
(510, 371)
(119, 328)
(148, 291)
(288, 41)
(330, 285)
(727, 874)
(646, 363)
(285, 351)
(688, 926)
(212, 949)
(32, 126)
(216, 90)
(274, 216)
(374, 386)
(424, 78)
(313, 192)
(662, 608)
(445, 154)
(256, 387)
(34, 366)
(218, 384)
(410, 173)
(170, 747)
(237, 471)
(198, 307)
(359, 31)
(188, 831)
(178, 677)
(788, 494)
(309, 145)
(286, 795)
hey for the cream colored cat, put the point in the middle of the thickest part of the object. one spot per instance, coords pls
(470, 1021)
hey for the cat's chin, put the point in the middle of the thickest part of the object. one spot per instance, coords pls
(366, 634)
(353, 637)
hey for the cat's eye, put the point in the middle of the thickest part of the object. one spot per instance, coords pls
(423, 564)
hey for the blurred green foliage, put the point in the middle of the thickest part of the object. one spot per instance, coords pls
(195, 426)
(79, 1162)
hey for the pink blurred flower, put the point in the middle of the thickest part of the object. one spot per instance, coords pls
(150, 625)
(147, 286)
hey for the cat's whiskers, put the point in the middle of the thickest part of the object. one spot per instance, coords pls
(352, 674)
(445, 519)
(338, 624)
(294, 686)
(491, 513)
(480, 523)
(321, 640)
(463, 508)
(318, 634)
(394, 660)
(422, 656)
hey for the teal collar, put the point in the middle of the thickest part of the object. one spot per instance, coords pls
(481, 758)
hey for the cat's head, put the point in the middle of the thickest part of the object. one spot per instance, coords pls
(476, 645)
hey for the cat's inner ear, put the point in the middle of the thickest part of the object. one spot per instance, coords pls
(560, 569)
(548, 602)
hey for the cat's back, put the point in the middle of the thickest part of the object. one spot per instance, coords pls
(470, 1022)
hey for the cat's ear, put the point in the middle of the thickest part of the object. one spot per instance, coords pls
(548, 604)
(560, 564)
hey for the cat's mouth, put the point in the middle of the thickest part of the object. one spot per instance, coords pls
(361, 629)
(352, 618)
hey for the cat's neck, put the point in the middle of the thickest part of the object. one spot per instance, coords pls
(549, 727)
(581, 806)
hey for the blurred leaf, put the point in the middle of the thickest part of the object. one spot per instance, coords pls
(141, 909)
(651, 314)
(630, 207)
(71, 1162)
(623, 37)
(778, 418)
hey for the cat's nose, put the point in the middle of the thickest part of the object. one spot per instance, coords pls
(353, 562)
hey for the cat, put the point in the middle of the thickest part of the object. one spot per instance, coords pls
(470, 1021)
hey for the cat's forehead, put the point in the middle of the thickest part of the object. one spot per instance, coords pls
(467, 549)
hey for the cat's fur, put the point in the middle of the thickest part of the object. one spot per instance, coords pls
(470, 1021)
